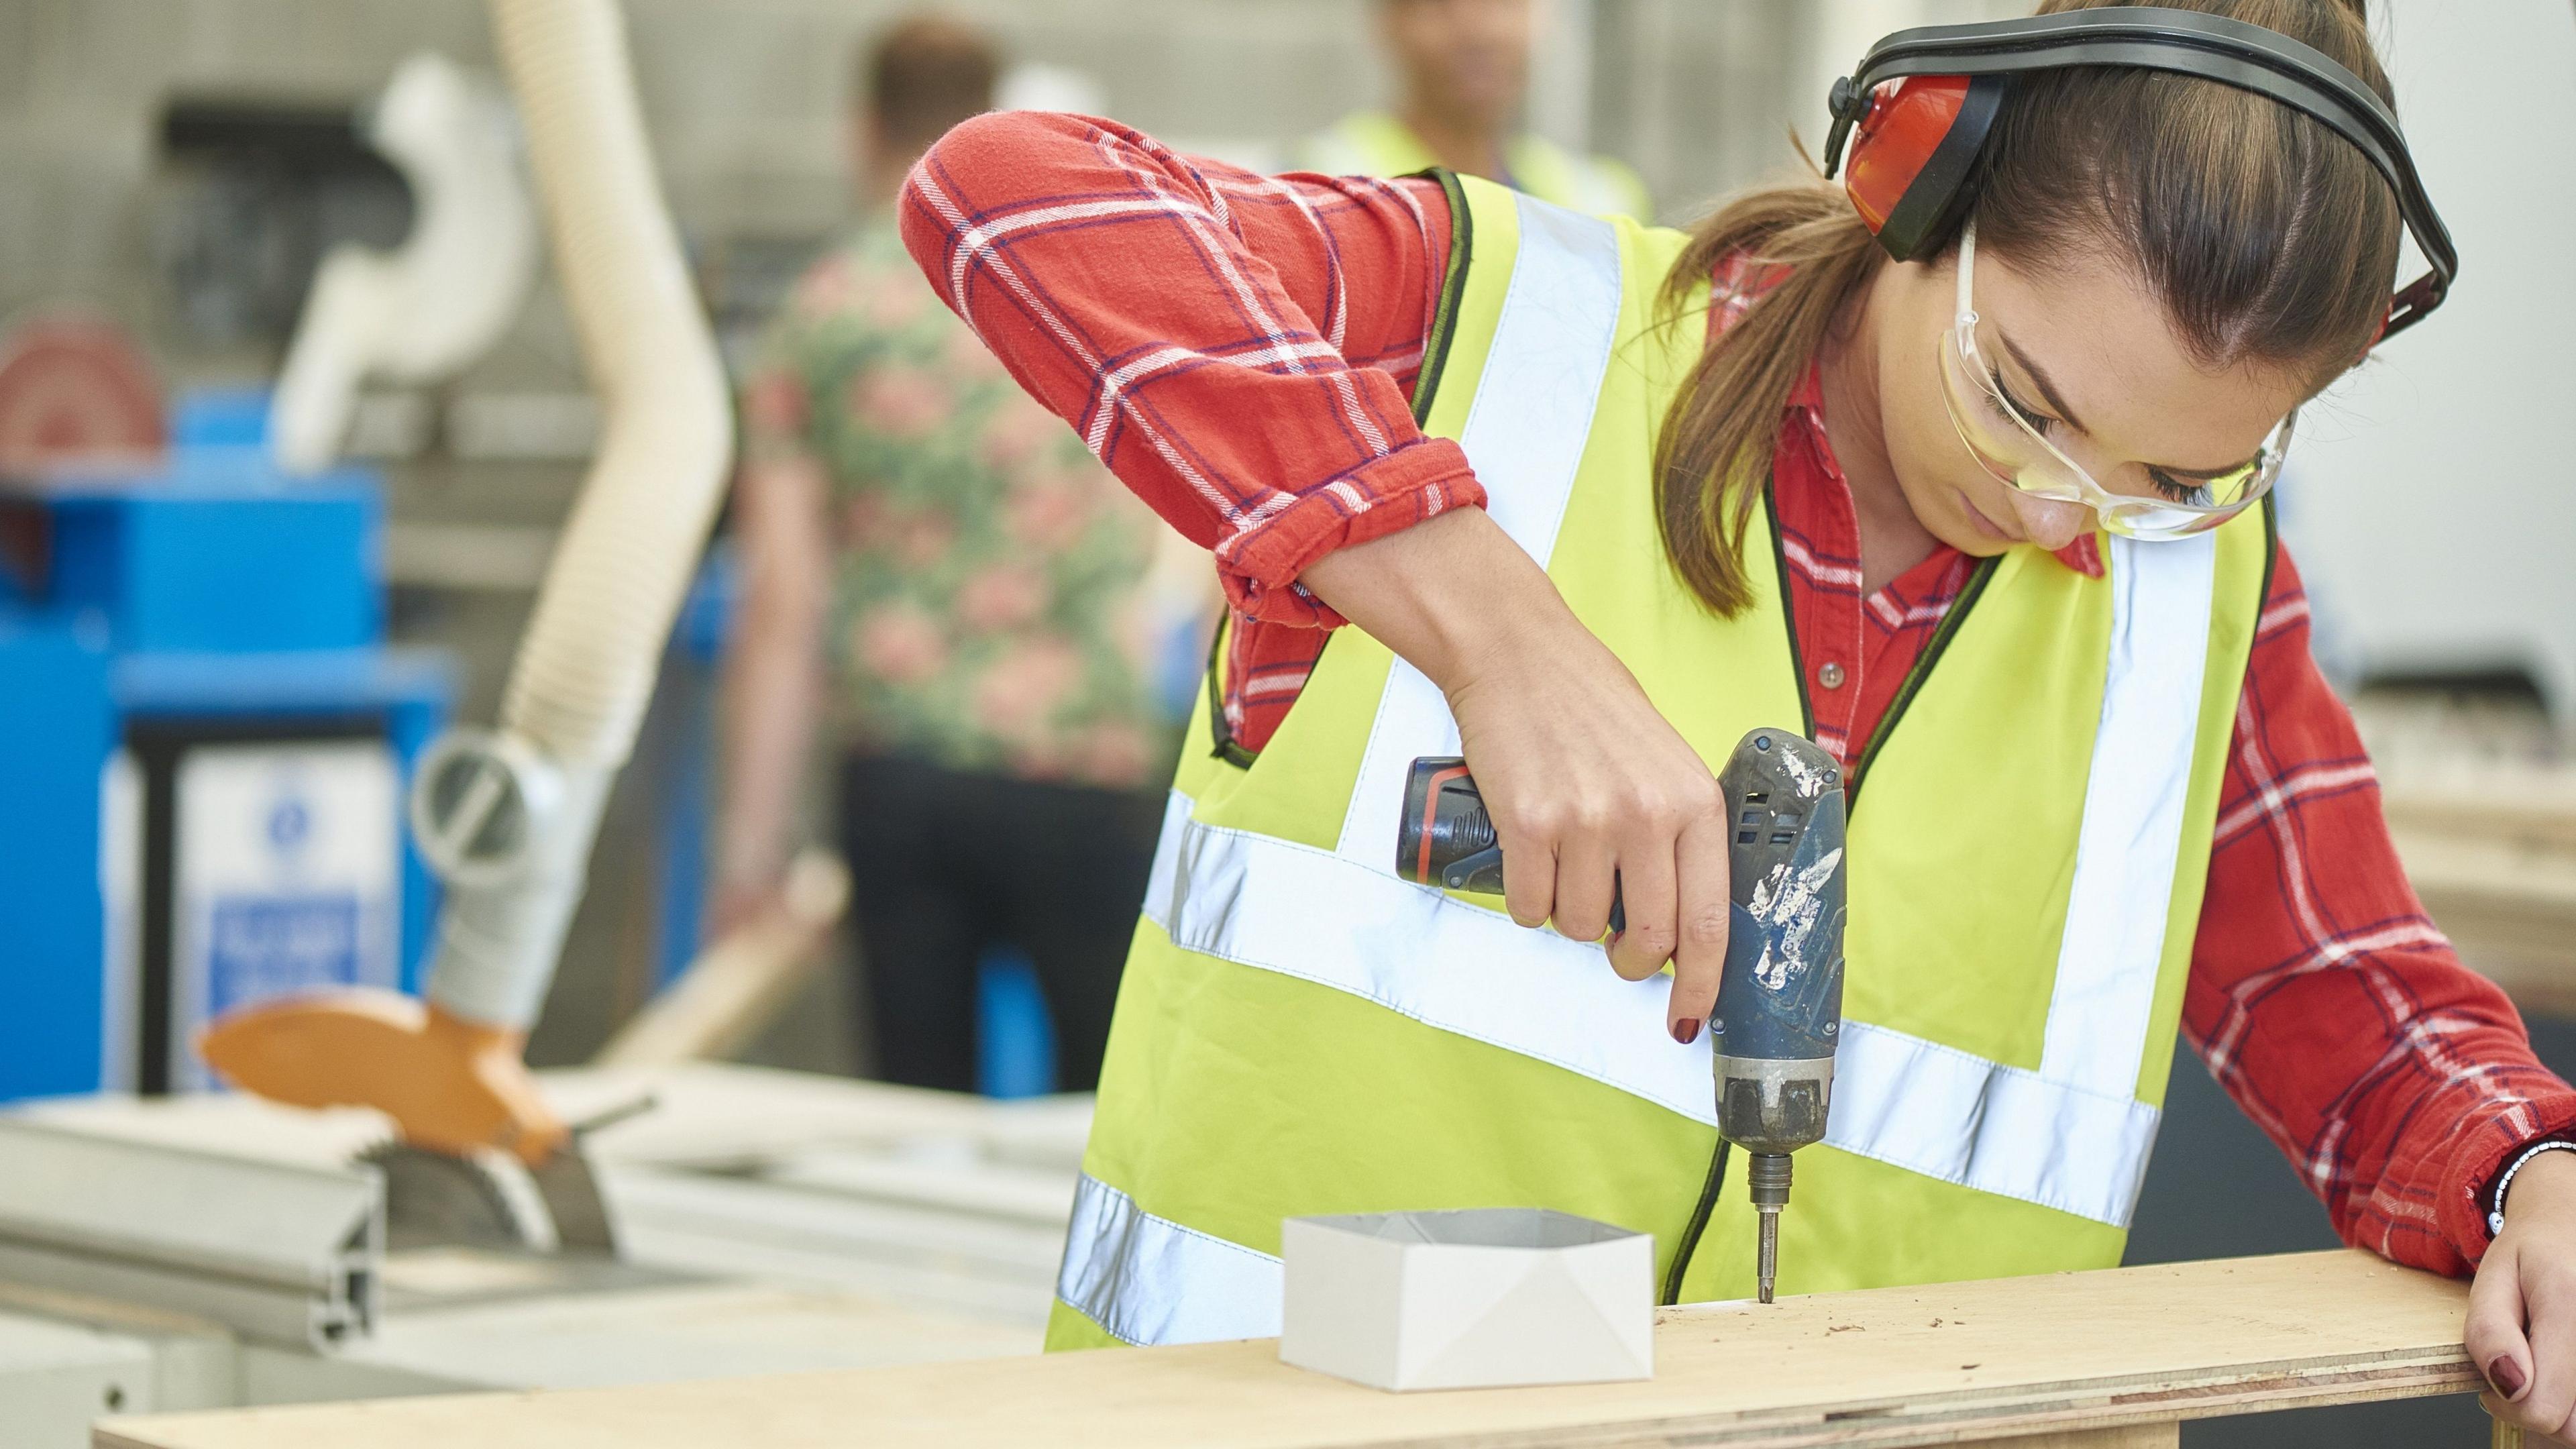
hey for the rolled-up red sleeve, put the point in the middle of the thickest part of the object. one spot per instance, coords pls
(1236, 348)
(2398, 1081)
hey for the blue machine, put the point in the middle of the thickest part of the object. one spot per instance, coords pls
(204, 747)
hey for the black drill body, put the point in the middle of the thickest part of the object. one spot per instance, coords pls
(1780, 997)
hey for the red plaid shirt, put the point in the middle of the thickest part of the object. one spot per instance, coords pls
(1239, 349)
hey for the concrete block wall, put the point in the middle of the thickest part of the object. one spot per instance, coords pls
(744, 97)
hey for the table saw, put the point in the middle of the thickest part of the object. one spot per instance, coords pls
(221, 1251)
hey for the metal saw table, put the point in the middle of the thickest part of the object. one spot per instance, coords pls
(217, 1251)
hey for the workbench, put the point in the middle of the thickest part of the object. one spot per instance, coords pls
(2107, 1360)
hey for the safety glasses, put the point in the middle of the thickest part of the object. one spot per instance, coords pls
(2009, 439)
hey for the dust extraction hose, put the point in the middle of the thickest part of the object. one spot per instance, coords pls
(586, 666)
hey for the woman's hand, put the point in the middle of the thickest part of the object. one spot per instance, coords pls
(2521, 1329)
(1589, 787)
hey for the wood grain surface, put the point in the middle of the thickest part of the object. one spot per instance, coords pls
(2064, 1354)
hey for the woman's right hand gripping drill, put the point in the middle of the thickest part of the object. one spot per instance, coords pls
(1591, 790)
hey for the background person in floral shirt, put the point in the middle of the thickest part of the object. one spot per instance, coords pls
(934, 564)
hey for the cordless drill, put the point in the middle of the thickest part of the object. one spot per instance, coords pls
(1780, 997)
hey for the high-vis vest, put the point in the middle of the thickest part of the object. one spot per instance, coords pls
(1372, 143)
(1300, 1031)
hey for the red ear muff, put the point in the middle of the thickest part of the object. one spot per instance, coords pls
(1916, 112)
(1908, 169)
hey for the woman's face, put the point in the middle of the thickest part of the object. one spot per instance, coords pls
(2085, 351)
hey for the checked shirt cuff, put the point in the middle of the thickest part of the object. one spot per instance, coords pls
(1260, 565)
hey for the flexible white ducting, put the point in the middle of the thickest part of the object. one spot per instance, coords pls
(425, 310)
(586, 666)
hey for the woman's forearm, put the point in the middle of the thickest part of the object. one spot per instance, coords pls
(1454, 596)
(1594, 794)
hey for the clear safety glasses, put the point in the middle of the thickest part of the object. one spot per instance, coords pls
(2009, 438)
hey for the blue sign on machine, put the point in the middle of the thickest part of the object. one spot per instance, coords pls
(263, 947)
(286, 875)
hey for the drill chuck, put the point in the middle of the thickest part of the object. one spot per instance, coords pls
(1766, 1106)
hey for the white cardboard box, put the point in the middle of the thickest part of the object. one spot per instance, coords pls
(1473, 1298)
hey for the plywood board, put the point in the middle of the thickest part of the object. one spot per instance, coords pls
(1946, 1364)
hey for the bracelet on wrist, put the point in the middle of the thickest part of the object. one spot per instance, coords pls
(2504, 1184)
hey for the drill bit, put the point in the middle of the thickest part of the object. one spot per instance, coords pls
(1766, 1257)
(1768, 1178)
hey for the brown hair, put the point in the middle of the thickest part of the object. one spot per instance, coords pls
(2268, 238)
(924, 74)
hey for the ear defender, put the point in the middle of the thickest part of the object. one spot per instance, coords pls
(1917, 140)
(1918, 108)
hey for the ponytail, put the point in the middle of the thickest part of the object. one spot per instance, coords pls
(1715, 449)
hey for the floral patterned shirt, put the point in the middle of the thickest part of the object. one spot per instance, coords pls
(989, 610)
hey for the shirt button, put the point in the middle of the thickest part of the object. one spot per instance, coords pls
(1830, 675)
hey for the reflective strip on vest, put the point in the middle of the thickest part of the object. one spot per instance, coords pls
(1260, 901)
(1524, 436)
(2135, 795)
(1148, 1280)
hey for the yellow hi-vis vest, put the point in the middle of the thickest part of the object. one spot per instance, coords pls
(1300, 1031)
(1373, 143)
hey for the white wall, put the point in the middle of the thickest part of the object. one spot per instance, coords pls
(2432, 498)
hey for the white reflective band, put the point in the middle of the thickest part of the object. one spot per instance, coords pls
(1941, 1112)
(2118, 908)
(1260, 901)
(1149, 1280)
(1524, 436)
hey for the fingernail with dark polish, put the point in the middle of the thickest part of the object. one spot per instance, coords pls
(2506, 1375)
(1686, 1031)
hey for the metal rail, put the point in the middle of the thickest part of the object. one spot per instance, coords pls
(283, 1253)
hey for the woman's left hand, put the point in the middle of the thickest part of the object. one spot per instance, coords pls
(2521, 1329)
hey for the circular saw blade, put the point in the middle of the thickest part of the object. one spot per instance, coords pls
(433, 1199)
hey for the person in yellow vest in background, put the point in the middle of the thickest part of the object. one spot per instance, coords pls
(1956, 464)
(1463, 69)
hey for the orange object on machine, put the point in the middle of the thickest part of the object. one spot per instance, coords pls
(449, 1084)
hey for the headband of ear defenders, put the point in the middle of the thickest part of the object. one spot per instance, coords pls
(1910, 163)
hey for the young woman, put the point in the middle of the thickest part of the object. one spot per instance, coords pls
(1654, 490)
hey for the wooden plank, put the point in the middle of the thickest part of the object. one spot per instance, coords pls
(2139, 1436)
(736, 989)
(2491, 848)
(1943, 1364)
(2509, 906)
(2533, 806)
